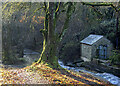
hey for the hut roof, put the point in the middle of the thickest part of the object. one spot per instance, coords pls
(91, 39)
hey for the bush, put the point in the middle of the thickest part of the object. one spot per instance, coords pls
(9, 60)
(115, 57)
(70, 52)
(21, 59)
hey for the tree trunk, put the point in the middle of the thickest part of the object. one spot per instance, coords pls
(117, 26)
(48, 54)
(50, 42)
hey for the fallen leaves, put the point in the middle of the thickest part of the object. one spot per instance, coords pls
(42, 74)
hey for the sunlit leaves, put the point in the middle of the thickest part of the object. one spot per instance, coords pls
(41, 73)
(26, 9)
(35, 19)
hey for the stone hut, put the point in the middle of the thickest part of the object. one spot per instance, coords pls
(95, 46)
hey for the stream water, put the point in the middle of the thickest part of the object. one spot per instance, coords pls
(107, 76)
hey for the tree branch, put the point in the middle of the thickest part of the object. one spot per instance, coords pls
(97, 11)
(101, 4)
(94, 4)
(38, 9)
(45, 6)
(114, 8)
(70, 10)
(58, 7)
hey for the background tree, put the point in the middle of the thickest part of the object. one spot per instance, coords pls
(18, 30)
(51, 37)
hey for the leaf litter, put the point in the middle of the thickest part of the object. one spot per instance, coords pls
(43, 74)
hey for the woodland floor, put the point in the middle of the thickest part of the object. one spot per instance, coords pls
(42, 74)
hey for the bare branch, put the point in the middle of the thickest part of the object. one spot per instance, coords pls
(97, 11)
(58, 8)
(70, 10)
(97, 4)
(101, 4)
(37, 10)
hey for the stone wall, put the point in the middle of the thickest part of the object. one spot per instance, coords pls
(89, 51)
(86, 51)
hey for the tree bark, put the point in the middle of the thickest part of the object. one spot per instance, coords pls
(48, 54)
(117, 26)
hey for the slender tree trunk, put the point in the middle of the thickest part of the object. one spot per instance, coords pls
(117, 26)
